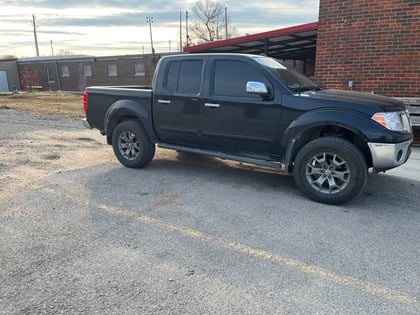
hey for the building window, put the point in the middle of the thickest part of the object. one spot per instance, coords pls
(50, 75)
(139, 69)
(87, 70)
(112, 70)
(65, 71)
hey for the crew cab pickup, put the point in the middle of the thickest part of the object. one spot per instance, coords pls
(256, 110)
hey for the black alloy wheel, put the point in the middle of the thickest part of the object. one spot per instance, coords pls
(131, 144)
(330, 170)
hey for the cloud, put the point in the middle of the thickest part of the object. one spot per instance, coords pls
(89, 25)
(150, 6)
(119, 19)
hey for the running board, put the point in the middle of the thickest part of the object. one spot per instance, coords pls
(224, 156)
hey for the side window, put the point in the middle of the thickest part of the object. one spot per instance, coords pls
(184, 76)
(171, 79)
(190, 75)
(230, 78)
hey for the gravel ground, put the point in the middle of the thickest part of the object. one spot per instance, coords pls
(79, 233)
(34, 145)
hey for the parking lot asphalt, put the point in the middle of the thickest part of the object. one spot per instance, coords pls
(195, 235)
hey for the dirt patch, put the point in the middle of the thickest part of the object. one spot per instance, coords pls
(40, 134)
(33, 146)
(29, 155)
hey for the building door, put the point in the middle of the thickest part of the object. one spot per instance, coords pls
(4, 85)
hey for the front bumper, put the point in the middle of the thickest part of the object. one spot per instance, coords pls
(389, 155)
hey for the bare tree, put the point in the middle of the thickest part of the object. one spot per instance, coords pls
(7, 57)
(64, 52)
(211, 23)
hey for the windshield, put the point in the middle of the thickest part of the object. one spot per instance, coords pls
(295, 81)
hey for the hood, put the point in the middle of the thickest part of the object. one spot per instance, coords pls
(386, 103)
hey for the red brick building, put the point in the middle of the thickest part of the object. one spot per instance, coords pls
(370, 46)
(75, 73)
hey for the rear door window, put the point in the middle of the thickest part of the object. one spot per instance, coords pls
(184, 77)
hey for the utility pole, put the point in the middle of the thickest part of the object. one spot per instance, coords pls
(149, 21)
(226, 24)
(180, 31)
(52, 49)
(186, 29)
(36, 39)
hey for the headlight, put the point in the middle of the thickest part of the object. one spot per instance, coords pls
(395, 121)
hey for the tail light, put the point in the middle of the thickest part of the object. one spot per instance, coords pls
(85, 101)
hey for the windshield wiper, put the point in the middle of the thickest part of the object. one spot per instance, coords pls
(310, 88)
(301, 88)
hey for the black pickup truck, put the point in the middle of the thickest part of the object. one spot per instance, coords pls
(256, 110)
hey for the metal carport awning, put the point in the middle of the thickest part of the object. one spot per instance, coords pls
(294, 43)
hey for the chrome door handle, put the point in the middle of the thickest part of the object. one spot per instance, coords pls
(164, 101)
(212, 105)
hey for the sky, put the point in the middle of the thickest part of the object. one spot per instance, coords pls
(119, 27)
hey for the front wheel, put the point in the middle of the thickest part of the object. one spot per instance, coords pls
(131, 144)
(330, 170)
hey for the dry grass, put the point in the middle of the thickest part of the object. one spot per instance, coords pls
(47, 103)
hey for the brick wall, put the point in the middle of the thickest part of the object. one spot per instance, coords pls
(374, 44)
(68, 74)
(125, 72)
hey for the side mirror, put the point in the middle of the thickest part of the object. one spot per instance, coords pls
(256, 88)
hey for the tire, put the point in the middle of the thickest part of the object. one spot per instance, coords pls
(330, 170)
(131, 145)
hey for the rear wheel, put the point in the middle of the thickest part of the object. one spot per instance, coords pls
(330, 170)
(131, 144)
